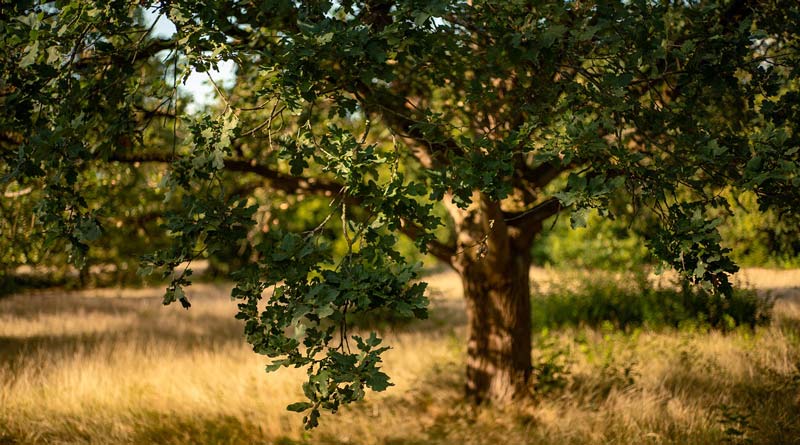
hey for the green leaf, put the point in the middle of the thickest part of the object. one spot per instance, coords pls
(88, 230)
(325, 311)
(578, 218)
(378, 381)
(217, 159)
(421, 17)
(31, 54)
(299, 406)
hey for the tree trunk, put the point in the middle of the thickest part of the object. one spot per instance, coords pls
(493, 261)
(499, 344)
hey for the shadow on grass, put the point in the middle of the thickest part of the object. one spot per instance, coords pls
(761, 410)
(202, 332)
(173, 428)
(147, 428)
(442, 315)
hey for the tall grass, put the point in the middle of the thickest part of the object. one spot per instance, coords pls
(120, 368)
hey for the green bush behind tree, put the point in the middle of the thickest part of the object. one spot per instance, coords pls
(757, 239)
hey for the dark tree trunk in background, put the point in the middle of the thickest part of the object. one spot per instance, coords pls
(493, 261)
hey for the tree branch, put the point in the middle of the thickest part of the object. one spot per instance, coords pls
(277, 180)
(530, 180)
(532, 218)
(393, 110)
(543, 174)
(438, 249)
(293, 184)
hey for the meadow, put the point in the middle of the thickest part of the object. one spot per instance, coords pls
(114, 366)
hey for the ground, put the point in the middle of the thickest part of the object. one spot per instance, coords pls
(114, 366)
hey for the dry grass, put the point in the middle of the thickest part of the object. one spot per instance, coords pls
(117, 367)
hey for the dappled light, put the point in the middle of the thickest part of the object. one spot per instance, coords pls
(400, 222)
(129, 370)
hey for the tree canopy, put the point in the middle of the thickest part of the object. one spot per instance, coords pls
(505, 112)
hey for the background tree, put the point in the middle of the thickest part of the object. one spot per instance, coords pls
(506, 112)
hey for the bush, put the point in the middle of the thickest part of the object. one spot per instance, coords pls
(760, 238)
(639, 303)
(608, 244)
(757, 238)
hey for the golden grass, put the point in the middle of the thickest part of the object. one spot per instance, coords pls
(117, 367)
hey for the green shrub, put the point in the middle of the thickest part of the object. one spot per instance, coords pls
(638, 303)
(551, 366)
(756, 238)
(608, 244)
(760, 238)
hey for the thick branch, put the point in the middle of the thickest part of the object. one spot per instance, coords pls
(90, 59)
(543, 174)
(532, 219)
(277, 180)
(530, 180)
(439, 250)
(293, 184)
(394, 111)
(282, 181)
(154, 47)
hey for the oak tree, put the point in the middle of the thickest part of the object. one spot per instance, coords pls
(504, 113)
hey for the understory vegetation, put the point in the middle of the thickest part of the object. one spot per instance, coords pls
(644, 365)
(756, 239)
(596, 302)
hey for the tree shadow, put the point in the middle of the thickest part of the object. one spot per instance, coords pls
(766, 405)
(202, 332)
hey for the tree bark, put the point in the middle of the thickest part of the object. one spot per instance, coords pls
(493, 261)
(499, 339)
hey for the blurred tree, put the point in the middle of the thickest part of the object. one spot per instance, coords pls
(761, 239)
(506, 112)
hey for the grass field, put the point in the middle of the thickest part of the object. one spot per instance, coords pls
(114, 366)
